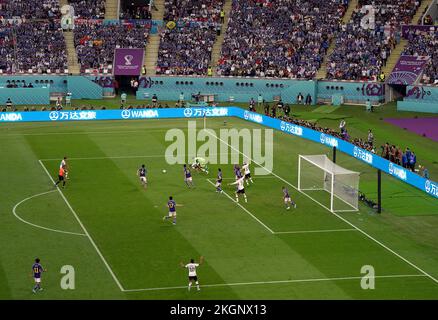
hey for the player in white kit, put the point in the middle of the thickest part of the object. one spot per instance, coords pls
(64, 165)
(240, 188)
(247, 173)
(192, 271)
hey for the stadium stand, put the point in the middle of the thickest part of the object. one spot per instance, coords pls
(361, 53)
(32, 47)
(40, 47)
(131, 11)
(195, 10)
(425, 44)
(89, 9)
(186, 48)
(7, 53)
(95, 43)
(279, 38)
(29, 9)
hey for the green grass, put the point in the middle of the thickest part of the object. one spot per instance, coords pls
(125, 222)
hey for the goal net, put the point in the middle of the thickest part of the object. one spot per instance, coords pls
(327, 183)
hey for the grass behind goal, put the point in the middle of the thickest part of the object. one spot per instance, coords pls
(309, 252)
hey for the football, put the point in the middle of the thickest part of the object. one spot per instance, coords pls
(164, 170)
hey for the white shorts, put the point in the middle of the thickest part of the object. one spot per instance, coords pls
(143, 179)
(172, 214)
(189, 179)
(288, 199)
(37, 280)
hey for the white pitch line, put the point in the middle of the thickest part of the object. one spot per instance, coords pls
(83, 228)
(246, 210)
(314, 231)
(343, 219)
(255, 177)
(280, 232)
(122, 157)
(36, 225)
(277, 282)
(81, 132)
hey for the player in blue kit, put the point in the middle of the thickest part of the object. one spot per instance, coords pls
(37, 270)
(237, 172)
(219, 181)
(171, 205)
(287, 199)
(188, 177)
(142, 174)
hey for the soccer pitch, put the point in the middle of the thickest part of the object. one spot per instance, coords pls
(106, 226)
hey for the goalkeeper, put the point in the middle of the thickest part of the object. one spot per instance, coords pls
(200, 164)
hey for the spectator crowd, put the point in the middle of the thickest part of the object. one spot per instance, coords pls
(7, 42)
(88, 9)
(265, 38)
(40, 47)
(193, 10)
(187, 42)
(95, 42)
(362, 50)
(36, 46)
(281, 38)
(29, 9)
(130, 10)
(185, 50)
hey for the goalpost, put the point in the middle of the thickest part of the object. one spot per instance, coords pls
(331, 184)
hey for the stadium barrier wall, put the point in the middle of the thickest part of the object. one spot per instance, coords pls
(225, 89)
(352, 92)
(242, 89)
(420, 99)
(81, 87)
(428, 186)
(26, 96)
(58, 84)
(233, 89)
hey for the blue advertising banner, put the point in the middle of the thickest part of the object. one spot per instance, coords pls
(125, 114)
(428, 186)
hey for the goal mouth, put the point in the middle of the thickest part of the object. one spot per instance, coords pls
(332, 186)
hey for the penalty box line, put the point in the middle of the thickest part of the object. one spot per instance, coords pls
(278, 232)
(84, 229)
(244, 209)
(334, 213)
(282, 282)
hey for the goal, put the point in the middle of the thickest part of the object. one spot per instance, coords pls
(333, 186)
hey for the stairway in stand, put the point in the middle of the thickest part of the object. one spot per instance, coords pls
(72, 57)
(424, 4)
(63, 3)
(159, 13)
(216, 50)
(348, 14)
(112, 9)
(393, 57)
(151, 52)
